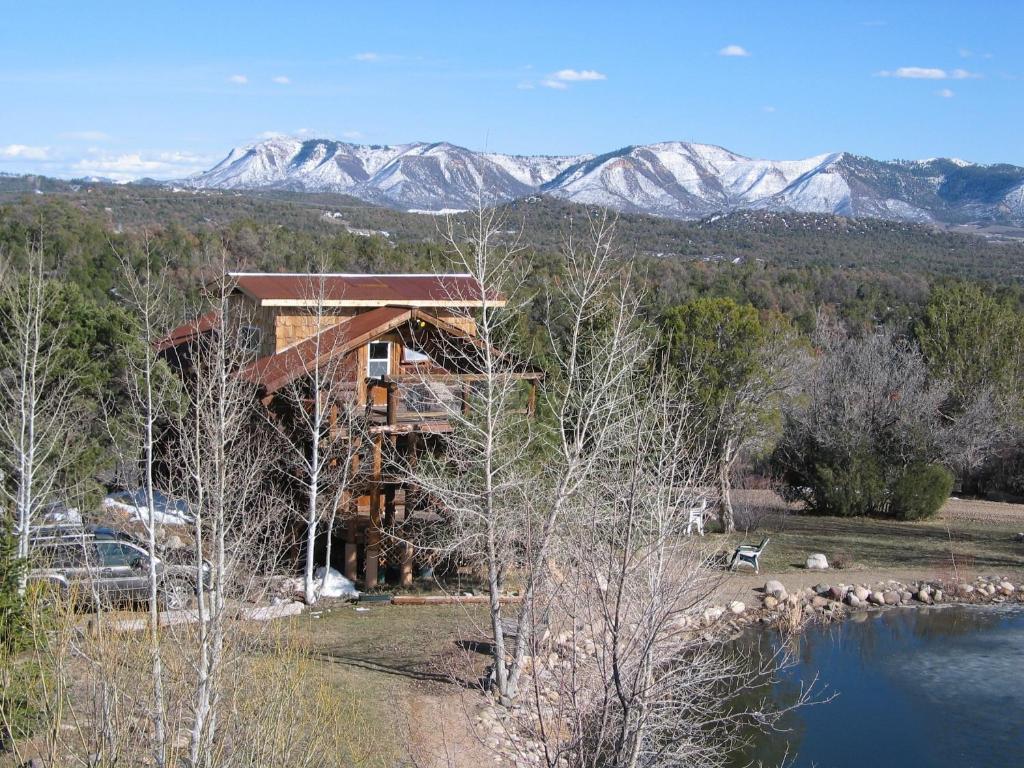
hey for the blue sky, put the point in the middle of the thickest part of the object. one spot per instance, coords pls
(165, 89)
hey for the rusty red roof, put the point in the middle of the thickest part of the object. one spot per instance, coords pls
(358, 290)
(188, 332)
(275, 371)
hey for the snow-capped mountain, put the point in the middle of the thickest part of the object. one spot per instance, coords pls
(677, 179)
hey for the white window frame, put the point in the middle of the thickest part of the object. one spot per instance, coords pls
(370, 359)
(410, 355)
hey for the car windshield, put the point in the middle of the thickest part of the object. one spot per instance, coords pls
(115, 553)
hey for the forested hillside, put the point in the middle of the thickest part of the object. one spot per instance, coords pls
(870, 271)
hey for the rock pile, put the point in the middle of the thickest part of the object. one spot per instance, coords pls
(835, 599)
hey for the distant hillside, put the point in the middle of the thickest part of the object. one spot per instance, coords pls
(674, 179)
(789, 239)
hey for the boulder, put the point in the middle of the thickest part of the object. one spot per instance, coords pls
(906, 596)
(817, 562)
(861, 593)
(891, 597)
(1006, 588)
(923, 596)
(821, 589)
(775, 589)
(876, 598)
(964, 589)
(771, 602)
(736, 607)
(819, 602)
(852, 600)
(937, 596)
(714, 613)
(836, 594)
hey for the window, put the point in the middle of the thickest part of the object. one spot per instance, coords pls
(411, 355)
(379, 359)
(114, 554)
(249, 338)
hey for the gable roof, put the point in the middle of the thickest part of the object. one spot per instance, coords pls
(358, 290)
(275, 371)
(188, 332)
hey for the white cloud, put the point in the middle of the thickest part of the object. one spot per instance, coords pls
(134, 165)
(946, 93)
(238, 79)
(578, 75)
(24, 152)
(929, 73)
(733, 50)
(281, 80)
(915, 73)
(367, 56)
(86, 136)
(561, 79)
(768, 108)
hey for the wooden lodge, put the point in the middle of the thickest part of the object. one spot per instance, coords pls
(400, 346)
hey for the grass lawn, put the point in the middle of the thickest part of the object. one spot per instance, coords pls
(969, 536)
(405, 668)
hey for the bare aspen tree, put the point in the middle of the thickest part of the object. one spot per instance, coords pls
(147, 299)
(321, 428)
(627, 677)
(503, 491)
(35, 396)
(223, 469)
(479, 482)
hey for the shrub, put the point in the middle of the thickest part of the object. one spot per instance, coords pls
(848, 490)
(919, 491)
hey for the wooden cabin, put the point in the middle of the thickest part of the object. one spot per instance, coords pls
(400, 346)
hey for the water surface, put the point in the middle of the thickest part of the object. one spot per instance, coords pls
(931, 687)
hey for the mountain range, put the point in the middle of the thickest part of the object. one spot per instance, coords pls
(672, 179)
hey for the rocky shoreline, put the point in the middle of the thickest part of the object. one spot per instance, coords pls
(829, 602)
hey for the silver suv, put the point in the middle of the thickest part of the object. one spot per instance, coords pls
(92, 563)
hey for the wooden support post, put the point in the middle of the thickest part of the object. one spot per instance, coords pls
(392, 413)
(372, 557)
(351, 550)
(373, 531)
(389, 517)
(531, 403)
(465, 399)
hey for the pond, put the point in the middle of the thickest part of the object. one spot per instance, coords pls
(912, 687)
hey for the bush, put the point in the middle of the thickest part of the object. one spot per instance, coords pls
(920, 491)
(848, 490)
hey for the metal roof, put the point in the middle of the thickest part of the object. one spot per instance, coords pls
(188, 332)
(362, 290)
(275, 371)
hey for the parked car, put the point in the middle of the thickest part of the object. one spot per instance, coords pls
(88, 562)
(134, 504)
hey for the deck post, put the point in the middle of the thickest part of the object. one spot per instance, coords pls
(392, 413)
(373, 530)
(351, 552)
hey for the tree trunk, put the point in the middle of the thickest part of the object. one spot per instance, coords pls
(725, 513)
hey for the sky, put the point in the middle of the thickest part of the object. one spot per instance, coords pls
(162, 89)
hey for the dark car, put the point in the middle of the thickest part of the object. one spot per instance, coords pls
(92, 563)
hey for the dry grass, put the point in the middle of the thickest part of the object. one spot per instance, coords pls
(967, 537)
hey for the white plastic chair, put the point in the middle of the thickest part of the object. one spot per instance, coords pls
(696, 518)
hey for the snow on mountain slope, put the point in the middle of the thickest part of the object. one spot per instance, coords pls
(675, 178)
